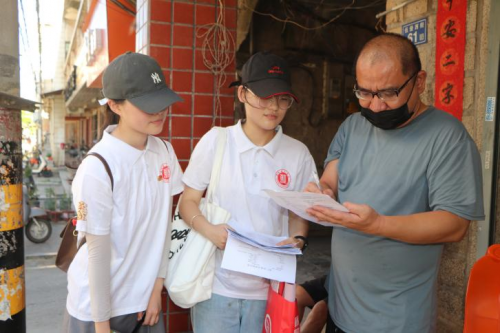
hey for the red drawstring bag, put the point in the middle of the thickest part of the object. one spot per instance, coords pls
(282, 315)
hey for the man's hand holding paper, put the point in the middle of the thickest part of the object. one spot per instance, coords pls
(358, 217)
(300, 202)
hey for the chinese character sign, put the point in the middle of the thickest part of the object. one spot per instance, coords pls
(450, 53)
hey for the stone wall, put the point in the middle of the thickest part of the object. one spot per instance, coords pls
(458, 258)
(57, 126)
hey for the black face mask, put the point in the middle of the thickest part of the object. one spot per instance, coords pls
(389, 119)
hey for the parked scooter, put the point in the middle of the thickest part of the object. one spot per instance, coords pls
(40, 166)
(37, 224)
(42, 169)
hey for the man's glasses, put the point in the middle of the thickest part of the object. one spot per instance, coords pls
(284, 102)
(388, 95)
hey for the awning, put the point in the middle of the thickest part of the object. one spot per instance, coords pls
(17, 103)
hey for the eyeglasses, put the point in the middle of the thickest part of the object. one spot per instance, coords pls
(388, 95)
(284, 102)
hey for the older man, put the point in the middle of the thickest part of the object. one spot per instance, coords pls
(410, 176)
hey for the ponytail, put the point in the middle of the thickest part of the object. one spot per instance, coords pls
(110, 118)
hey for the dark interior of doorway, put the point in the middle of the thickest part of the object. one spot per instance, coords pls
(320, 40)
(321, 59)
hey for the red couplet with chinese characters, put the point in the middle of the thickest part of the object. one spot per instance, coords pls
(450, 54)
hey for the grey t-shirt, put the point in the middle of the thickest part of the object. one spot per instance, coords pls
(379, 284)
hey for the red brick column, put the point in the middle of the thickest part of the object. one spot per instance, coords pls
(169, 31)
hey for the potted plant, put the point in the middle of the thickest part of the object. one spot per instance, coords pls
(65, 206)
(50, 204)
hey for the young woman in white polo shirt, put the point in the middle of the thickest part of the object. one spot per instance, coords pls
(257, 156)
(116, 278)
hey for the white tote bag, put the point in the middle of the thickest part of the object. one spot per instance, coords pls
(191, 266)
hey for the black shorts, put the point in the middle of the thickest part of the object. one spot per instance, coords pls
(331, 327)
(316, 289)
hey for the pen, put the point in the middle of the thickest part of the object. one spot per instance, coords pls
(316, 179)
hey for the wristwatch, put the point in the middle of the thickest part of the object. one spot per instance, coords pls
(304, 239)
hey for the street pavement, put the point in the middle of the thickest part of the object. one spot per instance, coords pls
(316, 259)
(45, 285)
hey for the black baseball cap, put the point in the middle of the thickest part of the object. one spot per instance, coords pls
(266, 75)
(139, 79)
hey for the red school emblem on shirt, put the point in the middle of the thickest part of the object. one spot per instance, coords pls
(283, 178)
(164, 173)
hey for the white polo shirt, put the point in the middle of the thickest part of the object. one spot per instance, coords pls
(284, 164)
(134, 213)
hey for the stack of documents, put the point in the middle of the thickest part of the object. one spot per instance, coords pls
(257, 254)
(244, 258)
(264, 242)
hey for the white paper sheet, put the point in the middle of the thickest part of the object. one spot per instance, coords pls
(298, 202)
(241, 257)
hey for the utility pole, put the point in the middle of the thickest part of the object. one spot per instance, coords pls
(12, 290)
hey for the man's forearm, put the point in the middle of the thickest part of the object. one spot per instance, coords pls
(330, 178)
(424, 228)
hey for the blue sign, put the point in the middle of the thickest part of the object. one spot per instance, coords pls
(490, 109)
(416, 31)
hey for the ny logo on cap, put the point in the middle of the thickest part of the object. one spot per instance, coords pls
(156, 78)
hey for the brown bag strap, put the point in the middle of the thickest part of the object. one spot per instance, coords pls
(106, 166)
(66, 251)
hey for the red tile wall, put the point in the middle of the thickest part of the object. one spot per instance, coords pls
(173, 27)
(176, 319)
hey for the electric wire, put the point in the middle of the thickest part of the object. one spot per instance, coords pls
(25, 25)
(25, 41)
(218, 53)
(40, 82)
(123, 7)
(24, 53)
(290, 21)
(374, 3)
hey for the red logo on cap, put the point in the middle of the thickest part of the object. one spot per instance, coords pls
(275, 70)
(165, 173)
(283, 178)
